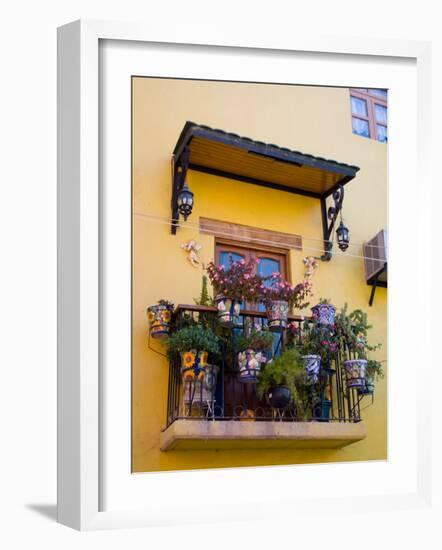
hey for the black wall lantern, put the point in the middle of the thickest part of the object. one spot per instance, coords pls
(329, 217)
(182, 196)
(185, 201)
(343, 236)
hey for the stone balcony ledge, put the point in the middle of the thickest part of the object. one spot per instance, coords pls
(230, 434)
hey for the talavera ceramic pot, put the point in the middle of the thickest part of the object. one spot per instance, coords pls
(277, 314)
(228, 311)
(324, 313)
(249, 363)
(355, 373)
(159, 317)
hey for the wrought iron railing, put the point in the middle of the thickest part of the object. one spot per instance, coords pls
(219, 394)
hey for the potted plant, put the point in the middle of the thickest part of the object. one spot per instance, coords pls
(194, 344)
(361, 371)
(373, 373)
(232, 285)
(283, 380)
(280, 297)
(317, 344)
(252, 350)
(159, 317)
(324, 312)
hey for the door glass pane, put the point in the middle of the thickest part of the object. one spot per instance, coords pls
(381, 113)
(382, 132)
(360, 127)
(358, 106)
(226, 257)
(266, 267)
(378, 93)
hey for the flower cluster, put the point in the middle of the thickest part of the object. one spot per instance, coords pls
(237, 282)
(278, 289)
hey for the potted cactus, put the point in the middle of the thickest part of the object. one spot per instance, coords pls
(159, 317)
(252, 350)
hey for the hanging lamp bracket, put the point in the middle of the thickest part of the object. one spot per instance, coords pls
(179, 172)
(329, 217)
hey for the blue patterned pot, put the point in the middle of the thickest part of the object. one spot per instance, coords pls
(312, 364)
(324, 313)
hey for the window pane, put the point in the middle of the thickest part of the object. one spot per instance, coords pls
(381, 113)
(267, 266)
(382, 132)
(360, 127)
(358, 106)
(224, 258)
(378, 93)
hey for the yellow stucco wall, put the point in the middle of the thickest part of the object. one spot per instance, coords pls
(309, 119)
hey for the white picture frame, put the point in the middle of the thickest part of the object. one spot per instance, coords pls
(80, 445)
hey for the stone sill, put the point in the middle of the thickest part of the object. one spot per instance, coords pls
(185, 435)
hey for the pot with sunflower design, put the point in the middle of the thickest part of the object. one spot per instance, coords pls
(193, 344)
(159, 317)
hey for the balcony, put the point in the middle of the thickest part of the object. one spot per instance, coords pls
(230, 415)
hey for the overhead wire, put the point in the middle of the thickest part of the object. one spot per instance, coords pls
(257, 240)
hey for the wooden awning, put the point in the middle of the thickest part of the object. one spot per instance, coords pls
(228, 155)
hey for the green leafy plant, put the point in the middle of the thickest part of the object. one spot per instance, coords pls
(288, 370)
(194, 337)
(352, 331)
(260, 340)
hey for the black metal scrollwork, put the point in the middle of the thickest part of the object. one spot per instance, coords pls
(329, 217)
